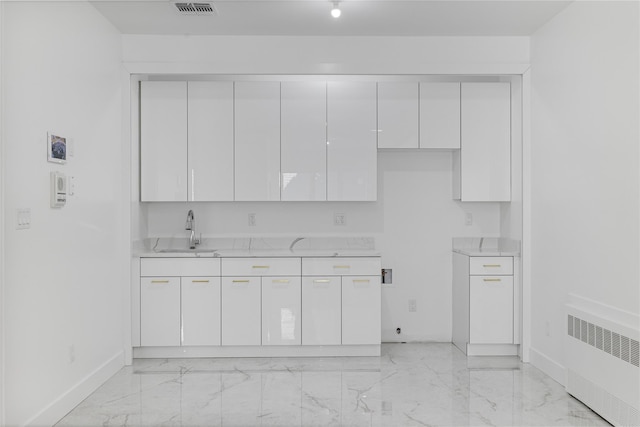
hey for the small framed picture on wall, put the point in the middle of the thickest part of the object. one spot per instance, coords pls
(56, 148)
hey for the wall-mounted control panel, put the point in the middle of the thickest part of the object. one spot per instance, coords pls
(58, 189)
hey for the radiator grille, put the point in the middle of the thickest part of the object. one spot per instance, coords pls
(620, 346)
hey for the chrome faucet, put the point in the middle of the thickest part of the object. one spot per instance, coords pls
(191, 226)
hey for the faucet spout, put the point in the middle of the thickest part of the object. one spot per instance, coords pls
(191, 227)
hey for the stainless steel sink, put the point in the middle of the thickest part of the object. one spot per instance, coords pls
(187, 251)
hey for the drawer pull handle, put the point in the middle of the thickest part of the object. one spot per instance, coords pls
(240, 281)
(260, 266)
(321, 281)
(361, 280)
(492, 265)
(199, 281)
(159, 281)
(280, 281)
(341, 266)
(492, 280)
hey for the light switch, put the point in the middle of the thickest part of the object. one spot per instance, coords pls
(23, 218)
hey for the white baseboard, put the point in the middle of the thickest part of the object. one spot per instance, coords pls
(61, 406)
(548, 366)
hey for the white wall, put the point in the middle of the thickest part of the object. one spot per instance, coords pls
(326, 55)
(63, 289)
(585, 176)
(414, 218)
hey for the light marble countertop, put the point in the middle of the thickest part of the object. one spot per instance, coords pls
(258, 247)
(486, 246)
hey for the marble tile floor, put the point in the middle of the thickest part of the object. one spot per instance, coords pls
(416, 384)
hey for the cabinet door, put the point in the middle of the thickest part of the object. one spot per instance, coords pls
(397, 115)
(352, 141)
(163, 141)
(439, 115)
(321, 305)
(491, 309)
(485, 152)
(210, 152)
(200, 302)
(281, 311)
(304, 141)
(241, 311)
(361, 320)
(257, 141)
(159, 311)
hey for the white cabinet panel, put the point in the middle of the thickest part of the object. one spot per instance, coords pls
(281, 320)
(485, 152)
(160, 311)
(397, 115)
(440, 115)
(200, 303)
(497, 265)
(180, 267)
(257, 141)
(352, 141)
(241, 306)
(304, 141)
(163, 141)
(361, 319)
(334, 266)
(261, 266)
(210, 146)
(491, 309)
(322, 311)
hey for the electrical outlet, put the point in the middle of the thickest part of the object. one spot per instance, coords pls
(413, 306)
(252, 220)
(339, 219)
(23, 218)
(468, 218)
(547, 328)
(398, 331)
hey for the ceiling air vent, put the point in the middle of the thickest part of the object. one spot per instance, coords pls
(203, 9)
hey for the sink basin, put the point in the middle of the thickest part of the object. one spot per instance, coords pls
(187, 251)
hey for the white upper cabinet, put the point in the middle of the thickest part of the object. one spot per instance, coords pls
(440, 115)
(397, 115)
(482, 171)
(352, 141)
(257, 141)
(210, 146)
(304, 141)
(163, 141)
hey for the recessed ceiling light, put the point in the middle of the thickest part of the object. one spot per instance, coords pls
(335, 11)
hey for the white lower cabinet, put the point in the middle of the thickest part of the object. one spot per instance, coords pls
(322, 308)
(160, 311)
(491, 309)
(483, 305)
(321, 305)
(200, 310)
(281, 301)
(361, 320)
(356, 281)
(241, 320)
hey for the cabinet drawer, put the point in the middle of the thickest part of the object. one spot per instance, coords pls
(260, 267)
(366, 266)
(500, 265)
(179, 267)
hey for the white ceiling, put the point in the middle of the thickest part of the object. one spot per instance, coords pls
(359, 17)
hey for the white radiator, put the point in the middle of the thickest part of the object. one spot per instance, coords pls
(602, 353)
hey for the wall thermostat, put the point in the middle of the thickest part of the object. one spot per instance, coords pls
(58, 189)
